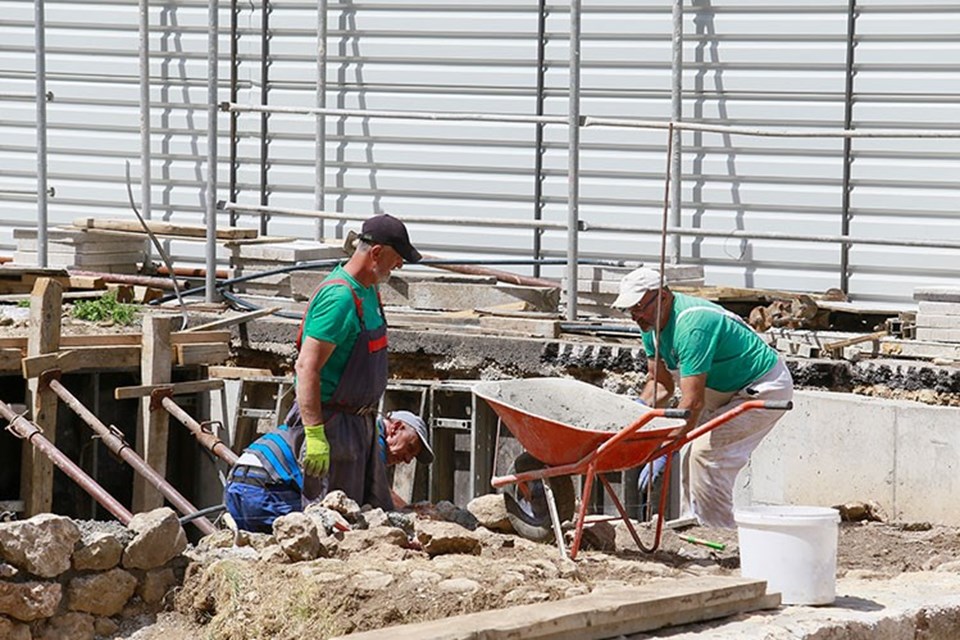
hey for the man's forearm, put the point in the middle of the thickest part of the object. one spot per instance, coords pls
(308, 398)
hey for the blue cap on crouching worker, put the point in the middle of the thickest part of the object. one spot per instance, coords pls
(387, 230)
(635, 285)
(417, 424)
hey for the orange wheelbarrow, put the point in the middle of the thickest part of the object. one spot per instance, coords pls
(573, 428)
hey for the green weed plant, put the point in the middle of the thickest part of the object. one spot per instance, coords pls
(105, 309)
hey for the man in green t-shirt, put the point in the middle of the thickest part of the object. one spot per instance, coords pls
(342, 370)
(720, 362)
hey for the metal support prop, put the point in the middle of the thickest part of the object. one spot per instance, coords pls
(847, 146)
(203, 434)
(26, 430)
(213, 29)
(112, 438)
(40, 29)
(573, 162)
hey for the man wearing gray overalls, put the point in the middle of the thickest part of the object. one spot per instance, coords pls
(342, 370)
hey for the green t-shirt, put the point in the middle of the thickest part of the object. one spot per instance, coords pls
(703, 337)
(332, 317)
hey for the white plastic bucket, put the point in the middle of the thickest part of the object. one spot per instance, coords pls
(793, 548)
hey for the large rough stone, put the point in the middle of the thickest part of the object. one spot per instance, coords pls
(103, 594)
(156, 584)
(11, 630)
(439, 538)
(69, 626)
(339, 502)
(357, 541)
(491, 512)
(297, 535)
(105, 627)
(101, 553)
(159, 538)
(28, 601)
(41, 545)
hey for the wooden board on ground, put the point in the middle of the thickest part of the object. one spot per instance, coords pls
(234, 320)
(121, 339)
(10, 360)
(601, 614)
(165, 228)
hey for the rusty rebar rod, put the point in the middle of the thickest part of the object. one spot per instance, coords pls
(113, 440)
(26, 430)
(203, 436)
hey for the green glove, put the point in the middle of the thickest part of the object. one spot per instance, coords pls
(316, 461)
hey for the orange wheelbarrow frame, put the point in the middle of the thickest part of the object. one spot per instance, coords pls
(595, 453)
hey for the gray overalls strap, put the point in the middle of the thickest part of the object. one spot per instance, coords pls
(356, 466)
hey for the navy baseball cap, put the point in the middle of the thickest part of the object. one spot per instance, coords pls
(387, 230)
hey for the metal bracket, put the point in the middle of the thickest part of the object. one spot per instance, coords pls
(43, 380)
(207, 426)
(157, 396)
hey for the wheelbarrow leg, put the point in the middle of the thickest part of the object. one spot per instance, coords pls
(582, 512)
(626, 519)
(554, 517)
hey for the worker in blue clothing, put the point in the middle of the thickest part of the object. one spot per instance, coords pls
(266, 481)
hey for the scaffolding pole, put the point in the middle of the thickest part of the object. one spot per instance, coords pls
(40, 43)
(212, 78)
(573, 162)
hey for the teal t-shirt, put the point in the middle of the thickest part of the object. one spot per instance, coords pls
(332, 317)
(703, 337)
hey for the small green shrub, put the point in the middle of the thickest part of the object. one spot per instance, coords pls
(106, 308)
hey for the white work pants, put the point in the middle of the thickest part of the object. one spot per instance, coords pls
(709, 465)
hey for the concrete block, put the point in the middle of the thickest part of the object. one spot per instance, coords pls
(456, 297)
(292, 252)
(937, 294)
(304, 283)
(938, 335)
(939, 308)
(929, 320)
(831, 448)
(27, 238)
(927, 463)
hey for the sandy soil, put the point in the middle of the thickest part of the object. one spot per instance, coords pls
(386, 585)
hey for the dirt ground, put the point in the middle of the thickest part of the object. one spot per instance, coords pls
(384, 585)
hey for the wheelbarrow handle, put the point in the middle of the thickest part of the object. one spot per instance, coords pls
(680, 414)
(779, 405)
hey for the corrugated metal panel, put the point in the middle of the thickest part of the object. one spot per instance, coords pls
(748, 63)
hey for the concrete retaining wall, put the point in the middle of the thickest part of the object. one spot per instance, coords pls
(835, 447)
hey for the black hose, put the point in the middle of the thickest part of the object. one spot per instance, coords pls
(190, 517)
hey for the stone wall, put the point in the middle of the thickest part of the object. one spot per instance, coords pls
(62, 579)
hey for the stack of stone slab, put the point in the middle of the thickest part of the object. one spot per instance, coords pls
(938, 316)
(85, 250)
(597, 286)
(255, 258)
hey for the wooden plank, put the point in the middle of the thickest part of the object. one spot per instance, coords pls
(10, 360)
(118, 339)
(238, 373)
(202, 353)
(156, 363)
(177, 388)
(86, 282)
(36, 477)
(235, 320)
(601, 614)
(194, 337)
(113, 357)
(166, 228)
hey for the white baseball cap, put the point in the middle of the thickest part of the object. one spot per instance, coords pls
(417, 424)
(635, 285)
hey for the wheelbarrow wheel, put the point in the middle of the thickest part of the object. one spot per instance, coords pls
(526, 502)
